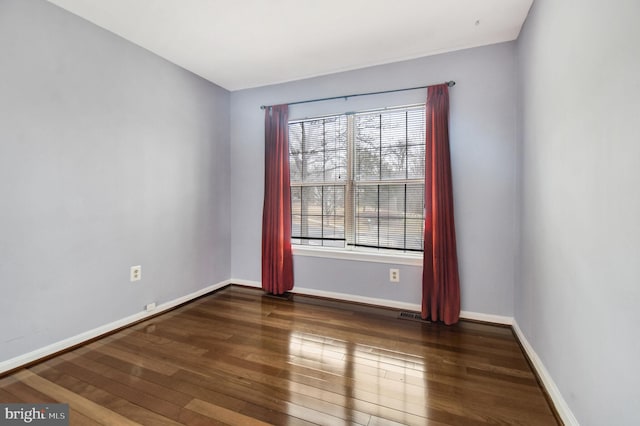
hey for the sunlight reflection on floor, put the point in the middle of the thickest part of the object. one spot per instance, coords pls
(368, 379)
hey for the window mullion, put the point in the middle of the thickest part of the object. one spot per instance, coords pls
(324, 178)
(322, 221)
(406, 175)
(349, 197)
(404, 234)
(304, 212)
(379, 177)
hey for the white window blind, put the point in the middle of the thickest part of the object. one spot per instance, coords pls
(358, 179)
(318, 167)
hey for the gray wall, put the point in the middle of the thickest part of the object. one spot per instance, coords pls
(578, 293)
(109, 157)
(483, 142)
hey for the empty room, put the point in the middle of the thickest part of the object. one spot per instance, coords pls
(418, 212)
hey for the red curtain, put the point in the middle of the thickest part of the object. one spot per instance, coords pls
(277, 259)
(440, 279)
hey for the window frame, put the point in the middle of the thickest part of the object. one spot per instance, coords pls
(351, 251)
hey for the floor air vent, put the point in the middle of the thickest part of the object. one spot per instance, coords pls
(411, 316)
(284, 296)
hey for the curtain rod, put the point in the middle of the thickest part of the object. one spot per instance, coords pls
(448, 83)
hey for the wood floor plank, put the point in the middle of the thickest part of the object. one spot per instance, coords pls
(84, 406)
(123, 391)
(225, 385)
(167, 395)
(77, 418)
(8, 397)
(138, 360)
(25, 393)
(103, 398)
(236, 357)
(222, 414)
(190, 417)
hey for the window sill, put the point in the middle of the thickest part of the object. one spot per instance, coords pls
(360, 256)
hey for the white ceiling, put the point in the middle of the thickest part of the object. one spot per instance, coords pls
(239, 44)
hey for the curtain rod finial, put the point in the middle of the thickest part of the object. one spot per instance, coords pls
(451, 83)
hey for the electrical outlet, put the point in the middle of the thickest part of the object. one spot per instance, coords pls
(394, 275)
(135, 273)
(150, 307)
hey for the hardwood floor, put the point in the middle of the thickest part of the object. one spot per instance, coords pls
(236, 357)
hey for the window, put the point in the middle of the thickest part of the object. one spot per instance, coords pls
(357, 180)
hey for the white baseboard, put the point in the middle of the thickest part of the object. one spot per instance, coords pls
(24, 359)
(358, 299)
(495, 319)
(247, 283)
(338, 296)
(552, 389)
